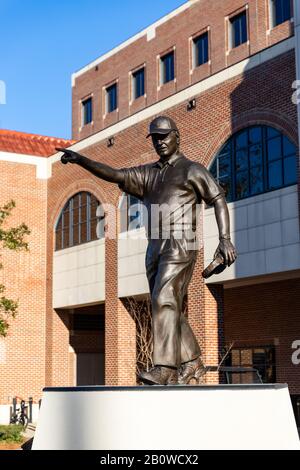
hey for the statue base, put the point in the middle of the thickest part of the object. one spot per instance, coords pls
(171, 417)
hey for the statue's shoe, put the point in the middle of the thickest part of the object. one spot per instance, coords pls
(217, 266)
(159, 375)
(194, 369)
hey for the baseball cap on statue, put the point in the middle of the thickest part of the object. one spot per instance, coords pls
(162, 125)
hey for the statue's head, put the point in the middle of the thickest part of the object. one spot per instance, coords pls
(165, 136)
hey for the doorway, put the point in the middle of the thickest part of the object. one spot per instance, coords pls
(90, 369)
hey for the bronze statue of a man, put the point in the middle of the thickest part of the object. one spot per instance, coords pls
(176, 181)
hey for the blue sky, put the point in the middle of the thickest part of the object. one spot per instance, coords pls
(43, 42)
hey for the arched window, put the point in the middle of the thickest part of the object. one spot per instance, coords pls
(132, 213)
(255, 160)
(78, 222)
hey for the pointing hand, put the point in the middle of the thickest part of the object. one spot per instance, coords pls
(69, 156)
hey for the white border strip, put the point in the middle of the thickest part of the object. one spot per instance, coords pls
(43, 166)
(149, 31)
(185, 95)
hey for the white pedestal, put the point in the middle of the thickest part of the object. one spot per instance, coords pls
(172, 417)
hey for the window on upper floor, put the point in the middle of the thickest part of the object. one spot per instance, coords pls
(138, 83)
(111, 98)
(132, 213)
(167, 68)
(280, 11)
(200, 50)
(254, 161)
(78, 222)
(238, 33)
(87, 111)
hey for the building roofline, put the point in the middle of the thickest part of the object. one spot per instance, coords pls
(149, 31)
(30, 135)
(30, 144)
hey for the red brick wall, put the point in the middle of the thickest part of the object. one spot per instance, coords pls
(24, 275)
(257, 315)
(120, 342)
(176, 32)
(205, 314)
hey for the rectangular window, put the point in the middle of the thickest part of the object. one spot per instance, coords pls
(111, 98)
(138, 83)
(167, 70)
(87, 111)
(132, 213)
(238, 33)
(280, 11)
(261, 358)
(135, 213)
(58, 231)
(200, 50)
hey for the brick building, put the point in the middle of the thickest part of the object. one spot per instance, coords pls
(223, 71)
(24, 179)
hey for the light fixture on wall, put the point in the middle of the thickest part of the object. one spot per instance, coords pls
(191, 104)
(110, 141)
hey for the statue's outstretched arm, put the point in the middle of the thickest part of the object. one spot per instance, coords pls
(98, 169)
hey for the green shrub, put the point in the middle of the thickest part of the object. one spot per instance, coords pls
(11, 433)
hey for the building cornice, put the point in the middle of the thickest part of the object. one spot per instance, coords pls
(150, 32)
